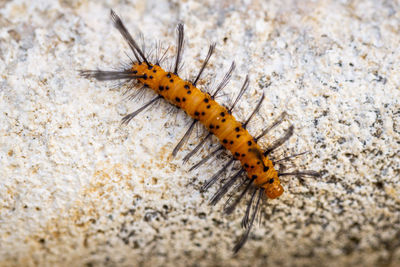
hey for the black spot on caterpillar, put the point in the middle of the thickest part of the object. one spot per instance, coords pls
(262, 179)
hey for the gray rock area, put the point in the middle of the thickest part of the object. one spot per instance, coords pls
(77, 188)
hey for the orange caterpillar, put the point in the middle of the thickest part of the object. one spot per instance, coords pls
(201, 106)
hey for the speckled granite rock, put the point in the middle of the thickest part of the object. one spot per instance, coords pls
(78, 189)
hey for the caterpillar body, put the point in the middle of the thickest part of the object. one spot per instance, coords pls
(262, 177)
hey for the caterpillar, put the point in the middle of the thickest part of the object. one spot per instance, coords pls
(262, 179)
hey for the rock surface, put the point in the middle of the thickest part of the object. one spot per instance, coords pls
(79, 189)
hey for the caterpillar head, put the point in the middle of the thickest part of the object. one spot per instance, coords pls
(273, 188)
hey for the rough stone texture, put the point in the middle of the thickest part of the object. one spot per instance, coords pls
(78, 189)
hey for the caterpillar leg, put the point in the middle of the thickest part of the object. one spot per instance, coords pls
(254, 111)
(139, 55)
(301, 173)
(184, 138)
(223, 189)
(159, 55)
(219, 149)
(248, 225)
(245, 219)
(280, 141)
(197, 148)
(244, 88)
(273, 125)
(102, 75)
(216, 176)
(136, 94)
(126, 119)
(290, 157)
(228, 209)
(178, 59)
(210, 52)
(224, 81)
